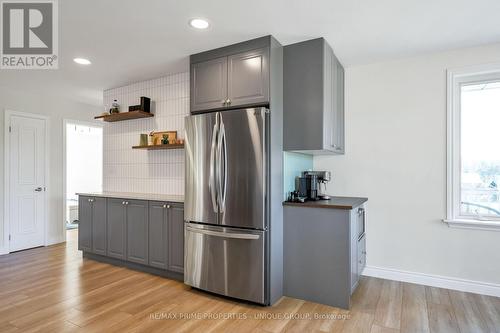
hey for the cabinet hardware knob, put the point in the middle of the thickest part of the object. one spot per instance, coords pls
(89, 200)
(123, 202)
(224, 102)
(164, 206)
(126, 202)
(168, 206)
(228, 101)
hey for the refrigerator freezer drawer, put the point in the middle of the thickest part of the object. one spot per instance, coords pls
(226, 261)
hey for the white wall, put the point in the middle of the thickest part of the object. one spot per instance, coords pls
(57, 110)
(143, 171)
(396, 156)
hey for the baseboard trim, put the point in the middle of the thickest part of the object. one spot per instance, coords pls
(477, 287)
(4, 250)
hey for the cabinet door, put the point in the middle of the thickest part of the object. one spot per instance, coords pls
(137, 231)
(99, 226)
(176, 238)
(158, 234)
(209, 84)
(361, 255)
(354, 254)
(116, 228)
(248, 78)
(338, 108)
(85, 224)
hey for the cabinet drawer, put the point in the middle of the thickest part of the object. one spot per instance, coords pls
(361, 254)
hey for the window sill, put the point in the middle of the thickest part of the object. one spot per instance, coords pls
(491, 225)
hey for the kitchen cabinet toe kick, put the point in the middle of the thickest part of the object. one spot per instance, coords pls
(138, 267)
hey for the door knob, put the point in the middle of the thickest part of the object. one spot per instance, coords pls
(38, 189)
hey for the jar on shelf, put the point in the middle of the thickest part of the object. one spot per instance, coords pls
(115, 107)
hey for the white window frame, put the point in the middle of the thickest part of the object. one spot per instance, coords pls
(455, 79)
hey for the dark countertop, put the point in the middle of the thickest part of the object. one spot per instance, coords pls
(334, 203)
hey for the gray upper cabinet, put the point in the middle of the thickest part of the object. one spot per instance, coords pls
(116, 229)
(248, 78)
(137, 230)
(85, 224)
(313, 97)
(232, 76)
(99, 226)
(209, 84)
(176, 238)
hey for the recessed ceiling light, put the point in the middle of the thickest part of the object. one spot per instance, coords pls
(82, 61)
(199, 23)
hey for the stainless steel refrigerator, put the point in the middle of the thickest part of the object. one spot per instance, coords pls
(226, 208)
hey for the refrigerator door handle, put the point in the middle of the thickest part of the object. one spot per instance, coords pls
(212, 181)
(222, 234)
(222, 165)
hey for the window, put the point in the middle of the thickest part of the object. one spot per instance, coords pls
(474, 148)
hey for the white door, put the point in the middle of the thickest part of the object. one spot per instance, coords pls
(27, 182)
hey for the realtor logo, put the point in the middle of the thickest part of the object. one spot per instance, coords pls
(29, 34)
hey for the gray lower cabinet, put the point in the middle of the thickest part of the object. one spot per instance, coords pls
(85, 224)
(324, 253)
(166, 236)
(158, 236)
(92, 225)
(117, 228)
(358, 245)
(137, 214)
(99, 231)
(149, 233)
(176, 238)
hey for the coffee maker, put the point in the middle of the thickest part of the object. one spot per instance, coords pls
(312, 185)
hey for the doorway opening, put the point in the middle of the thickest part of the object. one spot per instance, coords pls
(83, 165)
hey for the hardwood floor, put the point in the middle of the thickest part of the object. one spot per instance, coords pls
(53, 289)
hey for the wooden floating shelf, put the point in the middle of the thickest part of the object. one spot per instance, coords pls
(125, 116)
(157, 147)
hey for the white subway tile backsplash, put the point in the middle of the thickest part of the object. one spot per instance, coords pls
(162, 171)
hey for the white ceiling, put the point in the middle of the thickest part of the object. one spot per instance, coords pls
(132, 40)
